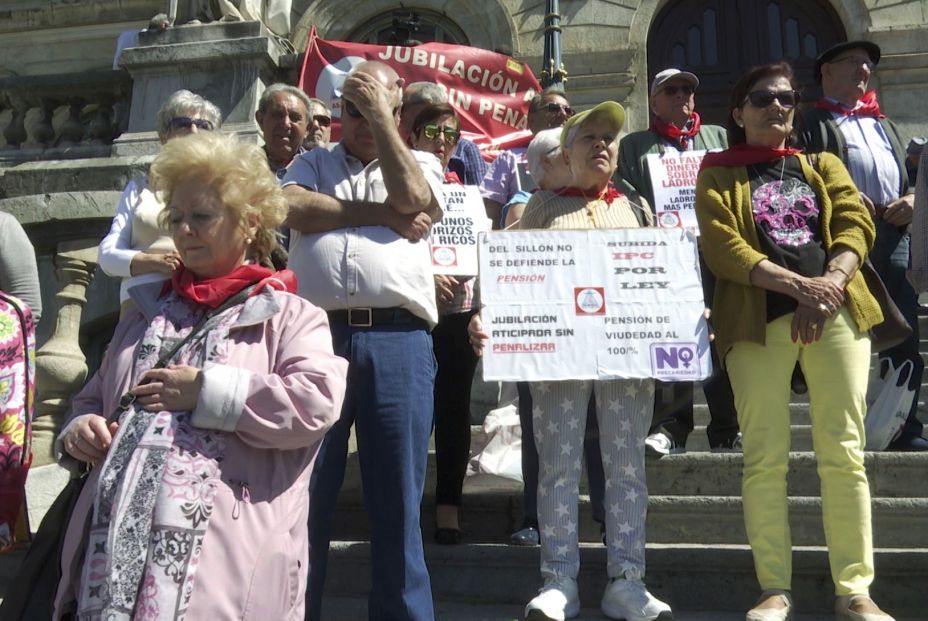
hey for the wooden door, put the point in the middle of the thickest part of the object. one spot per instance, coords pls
(719, 40)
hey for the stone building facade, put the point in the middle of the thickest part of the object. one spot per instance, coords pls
(73, 129)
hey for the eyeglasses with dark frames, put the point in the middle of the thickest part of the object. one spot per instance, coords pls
(322, 120)
(762, 99)
(449, 134)
(553, 108)
(686, 89)
(185, 122)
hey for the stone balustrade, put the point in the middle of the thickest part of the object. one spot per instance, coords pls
(62, 116)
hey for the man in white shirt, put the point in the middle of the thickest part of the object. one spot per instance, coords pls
(848, 122)
(359, 215)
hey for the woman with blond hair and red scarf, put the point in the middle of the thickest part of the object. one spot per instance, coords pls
(206, 415)
(785, 235)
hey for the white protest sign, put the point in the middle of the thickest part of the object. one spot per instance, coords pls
(454, 238)
(673, 182)
(597, 304)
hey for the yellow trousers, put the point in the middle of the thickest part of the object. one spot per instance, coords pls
(836, 369)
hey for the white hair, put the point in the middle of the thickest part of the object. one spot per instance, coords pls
(545, 144)
(280, 87)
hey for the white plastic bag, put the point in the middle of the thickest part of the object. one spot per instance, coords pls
(498, 448)
(890, 400)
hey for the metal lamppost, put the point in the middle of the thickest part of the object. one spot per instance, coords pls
(553, 72)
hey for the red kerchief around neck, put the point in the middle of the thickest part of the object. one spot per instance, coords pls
(672, 133)
(213, 292)
(866, 106)
(745, 155)
(452, 177)
(608, 195)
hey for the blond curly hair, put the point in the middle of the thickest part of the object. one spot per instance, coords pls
(236, 173)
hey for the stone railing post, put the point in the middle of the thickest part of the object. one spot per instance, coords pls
(61, 367)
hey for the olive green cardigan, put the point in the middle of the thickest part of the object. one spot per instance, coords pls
(731, 246)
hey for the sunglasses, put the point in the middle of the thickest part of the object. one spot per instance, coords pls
(353, 111)
(762, 99)
(185, 122)
(322, 120)
(449, 134)
(554, 108)
(686, 89)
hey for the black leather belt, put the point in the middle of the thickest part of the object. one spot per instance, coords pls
(370, 317)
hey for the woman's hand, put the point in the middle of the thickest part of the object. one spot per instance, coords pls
(476, 335)
(150, 263)
(88, 437)
(820, 293)
(444, 289)
(808, 324)
(176, 388)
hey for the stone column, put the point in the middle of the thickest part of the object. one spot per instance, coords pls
(61, 367)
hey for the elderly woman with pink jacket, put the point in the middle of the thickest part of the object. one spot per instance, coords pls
(196, 506)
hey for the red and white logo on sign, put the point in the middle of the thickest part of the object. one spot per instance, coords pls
(669, 220)
(590, 300)
(444, 256)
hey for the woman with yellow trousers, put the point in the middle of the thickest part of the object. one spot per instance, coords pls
(785, 235)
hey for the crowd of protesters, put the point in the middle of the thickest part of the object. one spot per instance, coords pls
(225, 402)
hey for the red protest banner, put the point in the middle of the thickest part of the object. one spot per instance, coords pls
(490, 91)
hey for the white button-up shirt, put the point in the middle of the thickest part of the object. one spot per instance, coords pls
(363, 266)
(870, 158)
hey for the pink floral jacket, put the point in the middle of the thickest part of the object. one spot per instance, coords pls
(277, 393)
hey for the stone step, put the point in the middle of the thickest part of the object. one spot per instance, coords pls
(801, 439)
(355, 609)
(689, 577)
(892, 475)
(490, 513)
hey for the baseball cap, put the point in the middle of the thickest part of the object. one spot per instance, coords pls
(610, 109)
(668, 74)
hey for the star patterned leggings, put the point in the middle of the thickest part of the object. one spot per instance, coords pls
(623, 409)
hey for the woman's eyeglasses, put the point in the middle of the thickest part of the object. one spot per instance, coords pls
(762, 99)
(353, 111)
(185, 122)
(449, 134)
(554, 108)
(686, 89)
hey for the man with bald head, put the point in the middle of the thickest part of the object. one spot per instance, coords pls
(359, 214)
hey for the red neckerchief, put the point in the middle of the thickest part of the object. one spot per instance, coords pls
(866, 106)
(744, 154)
(214, 291)
(452, 177)
(608, 195)
(672, 133)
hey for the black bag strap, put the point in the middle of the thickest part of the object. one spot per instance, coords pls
(127, 399)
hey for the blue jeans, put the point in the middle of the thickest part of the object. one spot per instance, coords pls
(389, 400)
(890, 257)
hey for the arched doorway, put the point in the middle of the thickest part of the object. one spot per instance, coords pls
(405, 27)
(719, 39)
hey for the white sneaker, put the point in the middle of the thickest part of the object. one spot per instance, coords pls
(628, 599)
(659, 444)
(557, 600)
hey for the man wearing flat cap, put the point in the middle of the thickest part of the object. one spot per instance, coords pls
(675, 128)
(847, 122)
